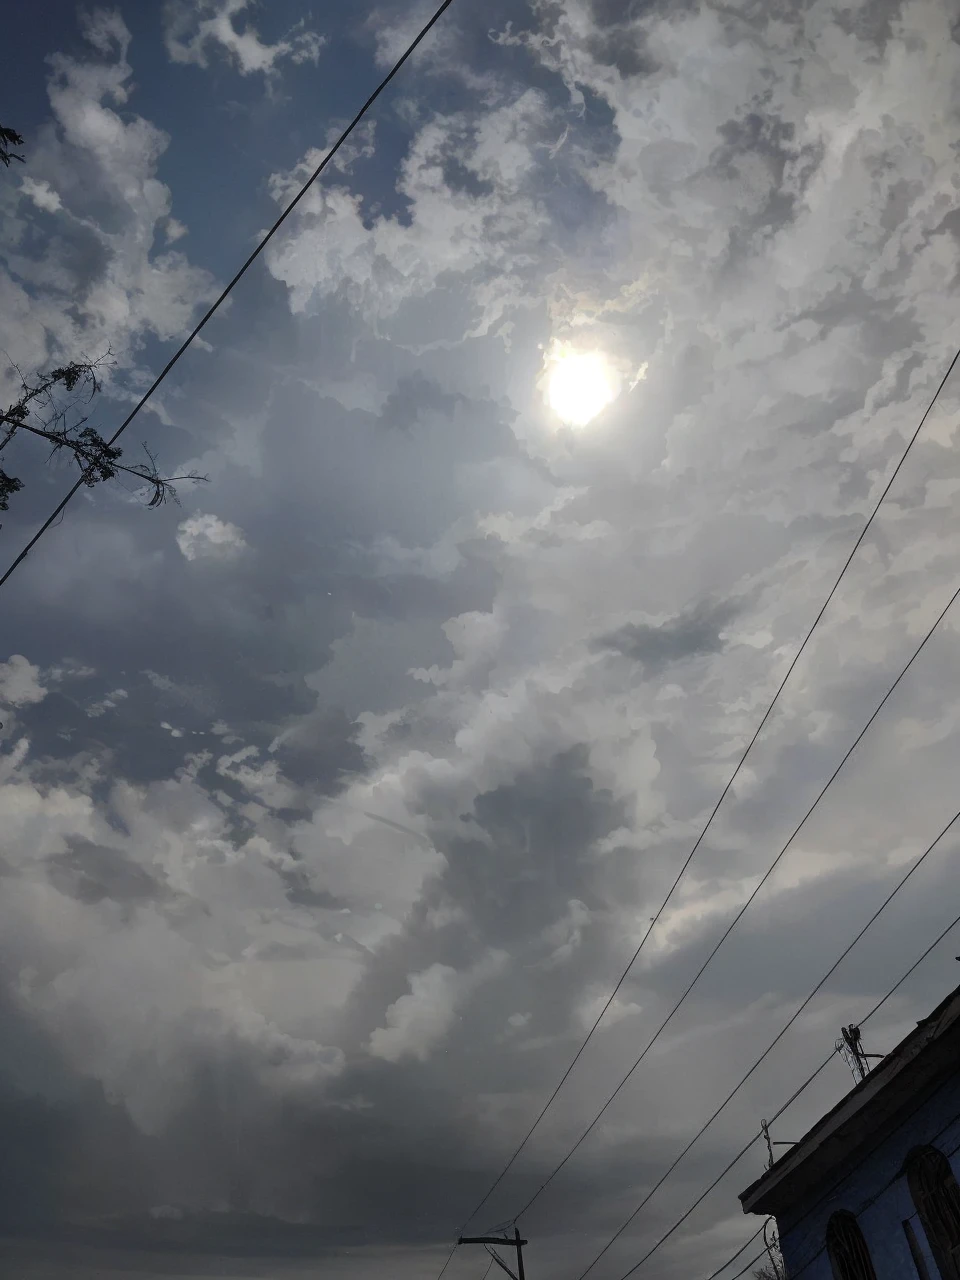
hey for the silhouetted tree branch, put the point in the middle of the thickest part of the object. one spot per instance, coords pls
(9, 138)
(40, 411)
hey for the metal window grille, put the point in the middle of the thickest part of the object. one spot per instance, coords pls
(847, 1249)
(937, 1199)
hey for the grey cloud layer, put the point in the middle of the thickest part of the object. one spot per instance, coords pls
(402, 767)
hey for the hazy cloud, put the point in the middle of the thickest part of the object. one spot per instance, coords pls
(193, 27)
(202, 537)
(419, 727)
(20, 682)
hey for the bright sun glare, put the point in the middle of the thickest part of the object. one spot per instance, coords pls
(579, 386)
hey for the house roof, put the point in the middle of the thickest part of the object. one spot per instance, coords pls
(920, 1062)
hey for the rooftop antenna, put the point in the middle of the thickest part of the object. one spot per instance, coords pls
(850, 1048)
(765, 1130)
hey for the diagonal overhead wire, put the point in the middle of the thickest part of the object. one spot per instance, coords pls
(723, 795)
(215, 306)
(796, 1094)
(733, 1257)
(743, 910)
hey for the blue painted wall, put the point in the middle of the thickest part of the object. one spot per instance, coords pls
(878, 1179)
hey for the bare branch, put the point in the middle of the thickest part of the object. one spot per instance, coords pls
(97, 459)
(9, 138)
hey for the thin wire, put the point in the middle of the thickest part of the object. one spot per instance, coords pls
(740, 914)
(449, 1259)
(793, 1097)
(723, 795)
(489, 1232)
(752, 1263)
(746, 1244)
(779, 1036)
(242, 272)
(500, 1226)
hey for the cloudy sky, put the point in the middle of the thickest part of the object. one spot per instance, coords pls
(334, 801)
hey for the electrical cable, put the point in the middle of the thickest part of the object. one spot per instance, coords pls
(713, 1275)
(752, 1263)
(733, 777)
(740, 914)
(449, 1260)
(793, 1097)
(830, 972)
(746, 1244)
(215, 306)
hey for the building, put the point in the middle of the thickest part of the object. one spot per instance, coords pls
(870, 1193)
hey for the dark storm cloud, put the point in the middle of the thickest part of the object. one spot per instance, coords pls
(690, 634)
(413, 398)
(351, 1163)
(81, 255)
(93, 873)
(873, 22)
(318, 748)
(513, 879)
(753, 136)
(619, 40)
(277, 620)
(67, 1150)
(302, 894)
(35, 1139)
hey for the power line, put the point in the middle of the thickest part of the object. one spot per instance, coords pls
(793, 1097)
(241, 273)
(734, 1256)
(752, 1263)
(746, 1244)
(740, 914)
(749, 1073)
(448, 1261)
(733, 777)
(501, 1226)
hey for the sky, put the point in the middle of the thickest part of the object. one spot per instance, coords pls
(334, 801)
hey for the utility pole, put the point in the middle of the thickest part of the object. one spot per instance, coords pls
(505, 1242)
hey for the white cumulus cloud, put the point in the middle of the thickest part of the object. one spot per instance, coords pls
(193, 27)
(202, 537)
(42, 194)
(20, 683)
(418, 1021)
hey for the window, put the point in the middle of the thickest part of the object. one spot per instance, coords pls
(849, 1255)
(937, 1199)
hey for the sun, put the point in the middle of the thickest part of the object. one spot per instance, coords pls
(580, 384)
